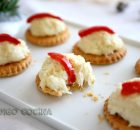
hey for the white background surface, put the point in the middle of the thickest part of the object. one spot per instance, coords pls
(89, 14)
(18, 121)
(125, 24)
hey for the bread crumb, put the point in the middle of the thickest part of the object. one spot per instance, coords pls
(101, 118)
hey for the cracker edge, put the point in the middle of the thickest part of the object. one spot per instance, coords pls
(47, 40)
(137, 67)
(14, 68)
(49, 91)
(103, 59)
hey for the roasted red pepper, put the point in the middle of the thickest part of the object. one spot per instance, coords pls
(6, 37)
(131, 87)
(42, 15)
(93, 29)
(66, 64)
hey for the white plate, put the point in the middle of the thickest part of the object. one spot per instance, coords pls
(72, 111)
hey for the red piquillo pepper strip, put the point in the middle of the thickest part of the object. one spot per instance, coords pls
(6, 37)
(42, 15)
(131, 87)
(93, 29)
(66, 64)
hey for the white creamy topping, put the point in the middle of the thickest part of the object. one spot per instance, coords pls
(100, 43)
(47, 27)
(53, 74)
(128, 107)
(10, 52)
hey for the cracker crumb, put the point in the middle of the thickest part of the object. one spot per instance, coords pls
(101, 118)
(91, 94)
(88, 94)
(95, 98)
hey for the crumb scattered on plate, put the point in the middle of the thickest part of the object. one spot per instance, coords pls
(88, 94)
(91, 94)
(95, 98)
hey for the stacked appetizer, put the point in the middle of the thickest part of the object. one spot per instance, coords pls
(122, 109)
(100, 45)
(60, 73)
(46, 30)
(14, 55)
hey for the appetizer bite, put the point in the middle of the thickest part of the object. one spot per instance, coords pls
(100, 45)
(122, 109)
(46, 30)
(14, 56)
(61, 73)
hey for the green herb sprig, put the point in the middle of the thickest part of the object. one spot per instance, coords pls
(8, 6)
